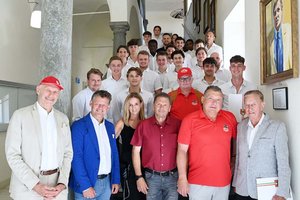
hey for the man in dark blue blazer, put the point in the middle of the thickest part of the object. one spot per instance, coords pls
(95, 167)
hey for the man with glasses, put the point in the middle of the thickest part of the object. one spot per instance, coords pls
(185, 95)
(204, 145)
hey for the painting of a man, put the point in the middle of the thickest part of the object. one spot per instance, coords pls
(280, 41)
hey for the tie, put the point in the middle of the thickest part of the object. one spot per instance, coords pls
(279, 53)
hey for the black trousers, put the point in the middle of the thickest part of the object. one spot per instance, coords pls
(239, 197)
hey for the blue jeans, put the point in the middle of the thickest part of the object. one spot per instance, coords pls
(162, 187)
(102, 188)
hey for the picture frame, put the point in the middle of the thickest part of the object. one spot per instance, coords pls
(278, 64)
(194, 10)
(198, 6)
(205, 15)
(280, 98)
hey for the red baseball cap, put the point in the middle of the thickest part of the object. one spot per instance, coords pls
(51, 80)
(184, 71)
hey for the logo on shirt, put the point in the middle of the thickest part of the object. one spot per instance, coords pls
(225, 128)
(194, 102)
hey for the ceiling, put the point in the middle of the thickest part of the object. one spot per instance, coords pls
(84, 6)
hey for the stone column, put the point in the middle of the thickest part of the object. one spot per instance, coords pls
(119, 29)
(56, 43)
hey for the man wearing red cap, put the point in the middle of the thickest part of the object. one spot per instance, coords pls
(185, 95)
(38, 147)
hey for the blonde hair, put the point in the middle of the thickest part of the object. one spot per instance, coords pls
(126, 112)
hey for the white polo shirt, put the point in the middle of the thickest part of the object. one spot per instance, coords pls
(223, 74)
(151, 81)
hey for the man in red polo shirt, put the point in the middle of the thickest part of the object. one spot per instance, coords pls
(204, 144)
(185, 95)
(157, 136)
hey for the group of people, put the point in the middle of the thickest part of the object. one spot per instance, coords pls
(156, 127)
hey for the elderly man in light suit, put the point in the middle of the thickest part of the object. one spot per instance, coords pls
(38, 147)
(262, 151)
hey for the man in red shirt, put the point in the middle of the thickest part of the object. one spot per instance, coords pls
(185, 95)
(204, 144)
(157, 136)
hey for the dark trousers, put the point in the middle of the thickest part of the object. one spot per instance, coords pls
(239, 197)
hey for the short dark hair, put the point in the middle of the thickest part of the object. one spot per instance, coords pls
(102, 94)
(199, 49)
(161, 53)
(189, 40)
(170, 46)
(162, 94)
(210, 61)
(122, 47)
(212, 88)
(167, 34)
(152, 41)
(177, 52)
(144, 52)
(257, 92)
(147, 33)
(134, 69)
(237, 59)
(180, 38)
(115, 58)
(133, 42)
(94, 71)
(157, 27)
(199, 41)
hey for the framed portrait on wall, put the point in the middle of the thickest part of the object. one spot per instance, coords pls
(206, 15)
(278, 40)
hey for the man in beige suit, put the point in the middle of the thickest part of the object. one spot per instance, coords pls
(38, 147)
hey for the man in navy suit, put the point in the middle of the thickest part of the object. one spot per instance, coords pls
(95, 167)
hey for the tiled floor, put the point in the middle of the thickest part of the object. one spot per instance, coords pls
(4, 195)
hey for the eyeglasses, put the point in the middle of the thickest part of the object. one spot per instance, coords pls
(185, 79)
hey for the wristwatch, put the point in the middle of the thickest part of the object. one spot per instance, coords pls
(137, 177)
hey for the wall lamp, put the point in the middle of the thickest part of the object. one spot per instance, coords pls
(36, 14)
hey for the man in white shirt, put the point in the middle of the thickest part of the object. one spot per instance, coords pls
(115, 83)
(38, 147)
(152, 45)
(209, 67)
(161, 60)
(151, 81)
(166, 40)
(157, 36)
(170, 81)
(134, 77)
(221, 73)
(81, 101)
(147, 37)
(237, 85)
(170, 49)
(211, 46)
(180, 42)
(133, 52)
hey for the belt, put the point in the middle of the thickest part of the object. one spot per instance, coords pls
(49, 172)
(164, 173)
(102, 176)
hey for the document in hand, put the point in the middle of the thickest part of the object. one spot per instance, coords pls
(267, 187)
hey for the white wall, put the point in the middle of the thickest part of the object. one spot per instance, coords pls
(19, 43)
(19, 56)
(252, 56)
(168, 24)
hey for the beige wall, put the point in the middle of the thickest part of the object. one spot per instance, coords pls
(19, 43)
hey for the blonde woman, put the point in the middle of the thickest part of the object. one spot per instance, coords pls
(133, 113)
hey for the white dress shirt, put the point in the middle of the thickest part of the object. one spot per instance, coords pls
(229, 88)
(81, 103)
(251, 131)
(214, 48)
(223, 74)
(49, 139)
(202, 84)
(150, 81)
(104, 146)
(170, 81)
